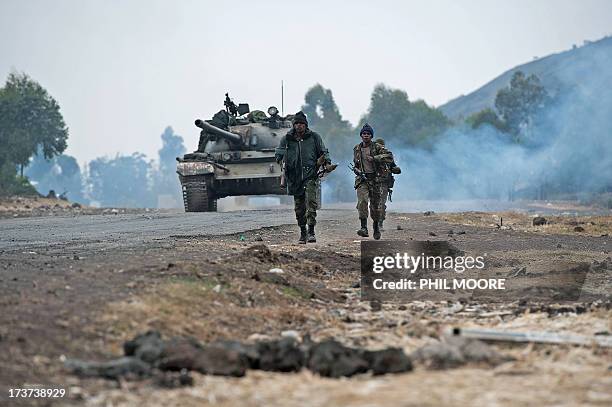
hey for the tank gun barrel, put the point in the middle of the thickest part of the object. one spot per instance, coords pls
(209, 128)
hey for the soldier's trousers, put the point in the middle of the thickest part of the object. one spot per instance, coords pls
(384, 194)
(368, 191)
(306, 203)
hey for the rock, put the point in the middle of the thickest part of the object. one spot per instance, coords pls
(457, 351)
(260, 252)
(518, 271)
(391, 360)
(432, 234)
(258, 238)
(539, 221)
(128, 367)
(399, 227)
(147, 347)
(76, 205)
(356, 285)
(276, 271)
(179, 353)
(291, 334)
(51, 194)
(215, 359)
(282, 355)
(428, 213)
(375, 306)
(332, 359)
(173, 380)
(579, 229)
(249, 352)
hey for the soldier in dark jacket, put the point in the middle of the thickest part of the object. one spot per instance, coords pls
(300, 148)
(369, 160)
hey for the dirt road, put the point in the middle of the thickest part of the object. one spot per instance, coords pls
(78, 286)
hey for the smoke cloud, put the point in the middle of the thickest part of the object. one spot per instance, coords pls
(566, 153)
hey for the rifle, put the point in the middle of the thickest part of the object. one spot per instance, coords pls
(358, 172)
(323, 168)
(283, 178)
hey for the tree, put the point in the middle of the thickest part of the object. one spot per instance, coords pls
(122, 181)
(29, 118)
(488, 117)
(172, 147)
(61, 173)
(324, 117)
(519, 103)
(165, 180)
(401, 122)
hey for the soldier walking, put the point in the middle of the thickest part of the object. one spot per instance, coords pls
(386, 184)
(369, 160)
(300, 148)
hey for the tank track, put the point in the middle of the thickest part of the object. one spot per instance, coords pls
(197, 196)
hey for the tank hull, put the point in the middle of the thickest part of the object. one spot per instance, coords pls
(250, 173)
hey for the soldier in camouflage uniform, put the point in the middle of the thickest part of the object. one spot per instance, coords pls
(386, 184)
(300, 148)
(369, 160)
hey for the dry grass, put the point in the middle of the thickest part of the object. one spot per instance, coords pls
(208, 310)
(592, 225)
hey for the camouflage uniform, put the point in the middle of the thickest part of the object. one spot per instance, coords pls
(369, 190)
(306, 204)
(386, 183)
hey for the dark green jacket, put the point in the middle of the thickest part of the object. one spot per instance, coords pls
(301, 158)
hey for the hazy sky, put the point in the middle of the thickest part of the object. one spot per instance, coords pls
(124, 70)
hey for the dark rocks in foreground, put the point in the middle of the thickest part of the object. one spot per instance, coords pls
(149, 355)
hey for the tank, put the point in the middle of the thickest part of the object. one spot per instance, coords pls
(235, 156)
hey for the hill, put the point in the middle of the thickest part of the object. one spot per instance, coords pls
(556, 71)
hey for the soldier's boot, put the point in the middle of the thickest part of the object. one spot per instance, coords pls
(303, 234)
(376, 230)
(311, 234)
(363, 232)
(380, 225)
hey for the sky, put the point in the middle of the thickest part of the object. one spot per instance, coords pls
(124, 70)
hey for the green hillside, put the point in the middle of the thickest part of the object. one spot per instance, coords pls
(556, 71)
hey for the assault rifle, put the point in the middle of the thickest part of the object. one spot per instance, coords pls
(358, 172)
(323, 167)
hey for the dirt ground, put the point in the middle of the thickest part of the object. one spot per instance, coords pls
(26, 207)
(66, 303)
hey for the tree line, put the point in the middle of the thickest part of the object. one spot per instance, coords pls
(34, 136)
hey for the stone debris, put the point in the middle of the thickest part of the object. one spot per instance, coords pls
(172, 380)
(428, 213)
(149, 355)
(539, 221)
(457, 351)
(126, 367)
(518, 271)
(332, 359)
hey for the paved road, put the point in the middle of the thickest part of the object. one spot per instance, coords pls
(137, 229)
